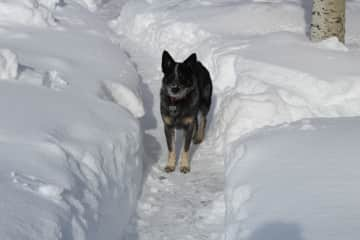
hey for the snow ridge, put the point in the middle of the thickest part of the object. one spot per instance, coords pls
(71, 157)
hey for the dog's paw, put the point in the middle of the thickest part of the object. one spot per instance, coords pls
(197, 140)
(184, 169)
(169, 168)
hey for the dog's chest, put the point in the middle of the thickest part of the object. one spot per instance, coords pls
(176, 110)
(174, 114)
(173, 110)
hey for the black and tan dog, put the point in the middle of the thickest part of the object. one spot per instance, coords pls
(185, 95)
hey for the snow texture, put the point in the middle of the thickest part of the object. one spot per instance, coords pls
(91, 5)
(8, 64)
(71, 154)
(293, 180)
(36, 13)
(81, 134)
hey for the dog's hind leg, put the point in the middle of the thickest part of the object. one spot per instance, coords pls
(196, 126)
(170, 140)
(205, 103)
(185, 161)
(200, 133)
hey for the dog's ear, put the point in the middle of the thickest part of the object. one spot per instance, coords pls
(191, 60)
(167, 63)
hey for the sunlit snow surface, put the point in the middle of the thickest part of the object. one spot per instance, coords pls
(70, 148)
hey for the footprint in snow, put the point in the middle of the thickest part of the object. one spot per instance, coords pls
(11, 70)
(35, 185)
(50, 79)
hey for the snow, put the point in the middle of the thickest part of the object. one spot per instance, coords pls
(54, 81)
(81, 134)
(332, 43)
(124, 95)
(8, 64)
(27, 12)
(50, 4)
(270, 90)
(281, 189)
(71, 156)
(91, 5)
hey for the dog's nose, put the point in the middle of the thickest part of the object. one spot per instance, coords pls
(175, 89)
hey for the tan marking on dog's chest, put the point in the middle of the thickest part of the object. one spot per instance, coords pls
(168, 120)
(187, 120)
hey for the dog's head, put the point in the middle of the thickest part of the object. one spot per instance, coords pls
(178, 78)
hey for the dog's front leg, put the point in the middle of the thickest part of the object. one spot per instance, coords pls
(170, 140)
(185, 162)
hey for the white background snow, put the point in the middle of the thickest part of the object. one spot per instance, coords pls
(82, 149)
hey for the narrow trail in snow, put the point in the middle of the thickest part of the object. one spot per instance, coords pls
(175, 205)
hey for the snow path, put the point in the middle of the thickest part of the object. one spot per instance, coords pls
(175, 205)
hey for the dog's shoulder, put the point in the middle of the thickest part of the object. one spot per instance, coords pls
(201, 73)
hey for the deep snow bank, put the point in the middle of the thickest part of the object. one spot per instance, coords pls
(275, 81)
(297, 181)
(70, 147)
(71, 167)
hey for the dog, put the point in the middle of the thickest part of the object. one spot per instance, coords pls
(185, 96)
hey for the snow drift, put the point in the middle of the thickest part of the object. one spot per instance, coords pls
(37, 13)
(66, 172)
(71, 151)
(293, 181)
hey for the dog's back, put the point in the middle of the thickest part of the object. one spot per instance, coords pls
(204, 86)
